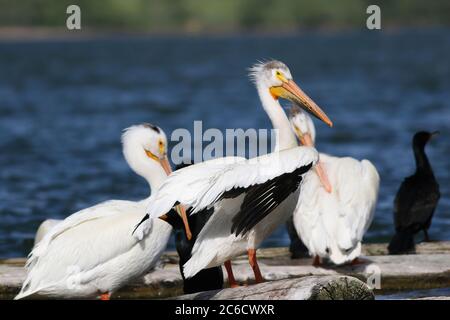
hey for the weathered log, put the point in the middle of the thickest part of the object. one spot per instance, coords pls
(432, 298)
(368, 249)
(306, 288)
(403, 272)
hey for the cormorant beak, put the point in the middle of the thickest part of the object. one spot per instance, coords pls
(291, 91)
(434, 134)
(164, 217)
(306, 140)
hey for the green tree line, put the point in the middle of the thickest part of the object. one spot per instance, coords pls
(222, 15)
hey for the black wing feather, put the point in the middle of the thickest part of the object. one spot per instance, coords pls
(261, 199)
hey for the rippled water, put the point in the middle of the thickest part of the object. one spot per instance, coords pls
(63, 106)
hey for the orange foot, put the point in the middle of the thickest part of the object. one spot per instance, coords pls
(254, 264)
(231, 280)
(105, 296)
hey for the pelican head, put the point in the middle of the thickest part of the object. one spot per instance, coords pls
(145, 149)
(276, 77)
(302, 125)
(145, 140)
(305, 131)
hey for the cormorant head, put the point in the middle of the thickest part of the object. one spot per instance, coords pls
(173, 218)
(422, 137)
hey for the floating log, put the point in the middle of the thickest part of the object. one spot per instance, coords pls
(432, 298)
(430, 268)
(306, 288)
(368, 249)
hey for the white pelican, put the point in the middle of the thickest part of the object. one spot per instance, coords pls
(44, 228)
(332, 224)
(91, 253)
(250, 197)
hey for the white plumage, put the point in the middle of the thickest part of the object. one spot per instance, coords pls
(200, 186)
(203, 185)
(44, 228)
(92, 252)
(332, 225)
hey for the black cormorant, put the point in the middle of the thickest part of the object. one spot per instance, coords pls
(297, 248)
(415, 200)
(207, 279)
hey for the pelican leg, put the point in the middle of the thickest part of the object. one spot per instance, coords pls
(254, 264)
(231, 280)
(316, 261)
(105, 296)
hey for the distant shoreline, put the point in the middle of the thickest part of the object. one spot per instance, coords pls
(26, 34)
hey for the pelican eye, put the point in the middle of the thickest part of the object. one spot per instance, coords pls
(280, 76)
(161, 147)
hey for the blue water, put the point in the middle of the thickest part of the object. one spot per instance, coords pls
(63, 105)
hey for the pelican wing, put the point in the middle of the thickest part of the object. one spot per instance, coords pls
(334, 224)
(102, 210)
(85, 240)
(202, 185)
(261, 199)
(358, 191)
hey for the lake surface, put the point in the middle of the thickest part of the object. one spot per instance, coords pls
(63, 105)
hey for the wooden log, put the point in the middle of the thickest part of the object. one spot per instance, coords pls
(403, 272)
(432, 298)
(368, 249)
(306, 288)
(432, 247)
(12, 274)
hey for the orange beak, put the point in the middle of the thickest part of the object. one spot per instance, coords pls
(180, 209)
(166, 165)
(306, 140)
(293, 93)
